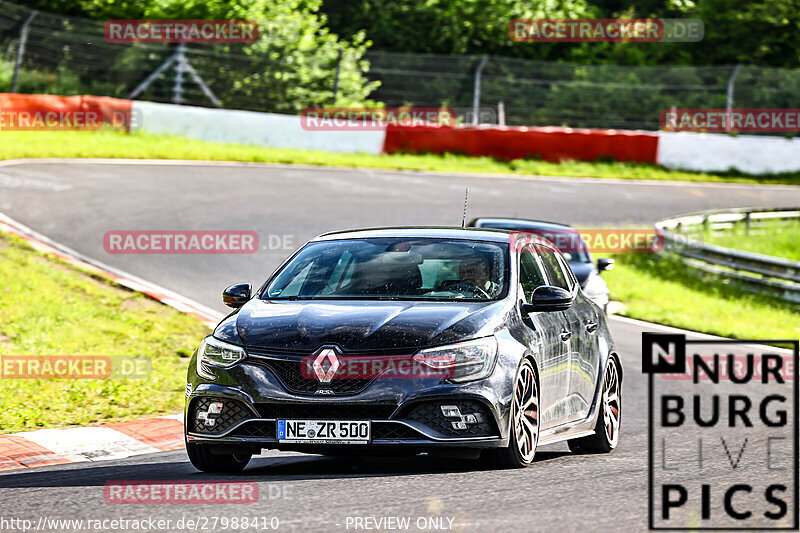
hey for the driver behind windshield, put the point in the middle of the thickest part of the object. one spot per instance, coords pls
(476, 271)
(393, 268)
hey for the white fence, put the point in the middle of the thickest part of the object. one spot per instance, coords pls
(250, 128)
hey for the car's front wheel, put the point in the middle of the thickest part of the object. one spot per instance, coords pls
(606, 431)
(201, 457)
(524, 423)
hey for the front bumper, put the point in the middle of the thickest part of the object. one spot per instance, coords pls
(403, 413)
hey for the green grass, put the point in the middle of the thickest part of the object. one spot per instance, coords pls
(52, 308)
(107, 144)
(666, 292)
(778, 239)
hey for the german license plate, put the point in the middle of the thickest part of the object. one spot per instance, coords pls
(324, 431)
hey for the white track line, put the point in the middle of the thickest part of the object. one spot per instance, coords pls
(689, 333)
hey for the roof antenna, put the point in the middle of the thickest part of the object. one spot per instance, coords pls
(464, 218)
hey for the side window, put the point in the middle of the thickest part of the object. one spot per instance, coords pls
(530, 275)
(568, 270)
(552, 267)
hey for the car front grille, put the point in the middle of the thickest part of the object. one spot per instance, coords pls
(256, 429)
(290, 373)
(430, 415)
(393, 431)
(299, 381)
(233, 412)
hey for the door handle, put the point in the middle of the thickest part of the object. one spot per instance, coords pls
(565, 335)
(591, 327)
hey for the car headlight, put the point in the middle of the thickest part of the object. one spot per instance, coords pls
(217, 354)
(464, 361)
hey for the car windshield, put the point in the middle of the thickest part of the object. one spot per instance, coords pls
(567, 240)
(394, 269)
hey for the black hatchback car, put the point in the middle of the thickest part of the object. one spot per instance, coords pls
(570, 244)
(407, 340)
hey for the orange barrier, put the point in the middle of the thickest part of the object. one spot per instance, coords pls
(43, 112)
(548, 144)
(51, 112)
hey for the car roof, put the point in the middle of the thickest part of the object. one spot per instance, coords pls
(522, 223)
(436, 232)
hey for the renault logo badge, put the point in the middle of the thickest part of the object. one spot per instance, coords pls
(325, 372)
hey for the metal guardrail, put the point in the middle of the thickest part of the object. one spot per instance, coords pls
(756, 272)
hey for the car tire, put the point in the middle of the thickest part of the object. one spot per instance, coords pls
(524, 423)
(607, 428)
(201, 457)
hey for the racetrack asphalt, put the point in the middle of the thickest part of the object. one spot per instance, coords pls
(75, 203)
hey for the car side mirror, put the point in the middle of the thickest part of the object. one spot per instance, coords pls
(236, 295)
(605, 263)
(548, 298)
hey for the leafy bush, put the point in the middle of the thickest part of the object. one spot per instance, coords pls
(35, 81)
(292, 66)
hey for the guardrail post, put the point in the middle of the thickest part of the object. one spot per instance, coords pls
(336, 76)
(180, 68)
(476, 90)
(729, 97)
(23, 39)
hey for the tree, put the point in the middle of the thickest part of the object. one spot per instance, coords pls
(291, 67)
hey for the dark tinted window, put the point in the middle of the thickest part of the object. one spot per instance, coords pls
(552, 267)
(562, 259)
(530, 275)
(394, 268)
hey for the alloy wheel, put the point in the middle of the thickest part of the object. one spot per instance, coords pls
(611, 404)
(526, 413)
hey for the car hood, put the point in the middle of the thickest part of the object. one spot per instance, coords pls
(357, 326)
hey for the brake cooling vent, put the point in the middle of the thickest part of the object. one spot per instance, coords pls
(213, 416)
(462, 418)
